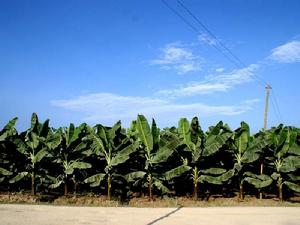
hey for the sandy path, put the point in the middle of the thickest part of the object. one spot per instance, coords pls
(61, 215)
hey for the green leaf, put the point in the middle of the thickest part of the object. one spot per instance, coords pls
(123, 155)
(242, 140)
(295, 149)
(218, 180)
(97, 143)
(114, 130)
(20, 176)
(144, 133)
(196, 150)
(155, 133)
(213, 171)
(294, 177)
(3, 137)
(5, 172)
(32, 140)
(53, 141)
(258, 183)
(132, 130)
(40, 155)
(43, 132)
(69, 134)
(102, 134)
(289, 141)
(34, 121)
(215, 130)
(80, 165)
(56, 185)
(10, 125)
(237, 167)
(81, 146)
(196, 132)
(176, 172)
(164, 152)
(135, 175)
(292, 186)
(184, 131)
(87, 152)
(159, 185)
(214, 143)
(227, 175)
(21, 146)
(249, 157)
(69, 170)
(210, 179)
(275, 176)
(8, 129)
(290, 164)
(286, 140)
(95, 180)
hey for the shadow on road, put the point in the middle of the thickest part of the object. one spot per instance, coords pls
(165, 216)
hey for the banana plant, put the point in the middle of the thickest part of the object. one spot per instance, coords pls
(196, 131)
(286, 159)
(69, 153)
(112, 148)
(31, 144)
(246, 151)
(7, 154)
(157, 151)
(259, 180)
(201, 149)
(132, 132)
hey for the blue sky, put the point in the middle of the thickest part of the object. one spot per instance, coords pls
(100, 61)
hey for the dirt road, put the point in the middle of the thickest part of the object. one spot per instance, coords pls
(62, 215)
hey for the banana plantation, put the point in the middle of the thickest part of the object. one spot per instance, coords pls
(153, 162)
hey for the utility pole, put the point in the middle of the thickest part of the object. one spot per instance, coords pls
(268, 88)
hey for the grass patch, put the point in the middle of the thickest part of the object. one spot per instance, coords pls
(102, 201)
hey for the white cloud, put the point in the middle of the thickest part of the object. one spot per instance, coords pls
(287, 53)
(174, 56)
(207, 39)
(220, 70)
(212, 84)
(194, 89)
(251, 101)
(108, 108)
(237, 76)
(107, 105)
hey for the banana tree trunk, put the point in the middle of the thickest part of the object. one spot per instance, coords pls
(150, 188)
(33, 190)
(75, 188)
(261, 172)
(241, 190)
(109, 187)
(66, 185)
(280, 189)
(195, 192)
(66, 188)
(280, 193)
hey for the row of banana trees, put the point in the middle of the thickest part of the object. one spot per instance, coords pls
(176, 161)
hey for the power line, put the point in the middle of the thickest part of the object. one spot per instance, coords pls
(220, 47)
(210, 33)
(276, 103)
(198, 32)
(275, 110)
(276, 107)
(233, 59)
